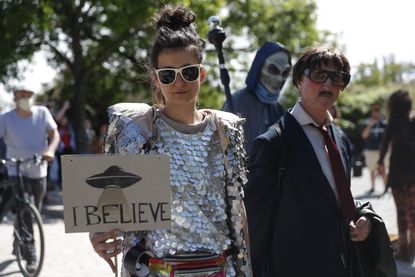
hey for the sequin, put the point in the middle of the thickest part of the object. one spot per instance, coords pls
(198, 180)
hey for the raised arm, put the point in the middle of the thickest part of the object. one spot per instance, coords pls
(50, 150)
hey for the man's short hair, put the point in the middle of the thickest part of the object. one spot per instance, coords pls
(316, 58)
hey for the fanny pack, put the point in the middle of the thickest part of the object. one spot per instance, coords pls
(192, 265)
(139, 262)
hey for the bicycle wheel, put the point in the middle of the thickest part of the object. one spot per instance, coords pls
(29, 240)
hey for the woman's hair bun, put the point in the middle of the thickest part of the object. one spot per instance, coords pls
(175, 18)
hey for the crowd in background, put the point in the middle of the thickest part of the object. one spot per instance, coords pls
(68, 145)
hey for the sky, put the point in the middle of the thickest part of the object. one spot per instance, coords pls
(369, 30)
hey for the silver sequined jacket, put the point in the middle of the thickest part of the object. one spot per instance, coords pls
(203, 166)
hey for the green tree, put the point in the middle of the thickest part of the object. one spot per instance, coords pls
(100, 47)
(292, 23)
(374, 86)
(252, 22)
(83, 38)
(389, 72)
(368, 74)
(21, 35)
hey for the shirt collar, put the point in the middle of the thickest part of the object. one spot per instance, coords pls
(303, 118)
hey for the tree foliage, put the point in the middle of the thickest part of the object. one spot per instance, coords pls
(100, 47)
(390, 71)
(21, 35)
(292, 23)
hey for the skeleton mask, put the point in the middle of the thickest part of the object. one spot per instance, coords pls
(275, 71)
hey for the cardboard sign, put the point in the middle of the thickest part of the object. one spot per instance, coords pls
(103, 192)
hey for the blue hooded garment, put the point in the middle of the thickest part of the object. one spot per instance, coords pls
(266, 50)
(259, 116)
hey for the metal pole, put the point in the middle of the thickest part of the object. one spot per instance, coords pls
(216, 36)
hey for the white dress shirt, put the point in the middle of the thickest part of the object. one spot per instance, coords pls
(317, 141)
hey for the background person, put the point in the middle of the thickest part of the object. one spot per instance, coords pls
(97, 142)
(258, 101)
(67, 144)
(28, 130)
(372, 134)
(400, 138)
(201, 224)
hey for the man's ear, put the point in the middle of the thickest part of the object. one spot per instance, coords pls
(298, 86)
(202, 74)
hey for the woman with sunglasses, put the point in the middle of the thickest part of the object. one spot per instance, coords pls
(207, 163)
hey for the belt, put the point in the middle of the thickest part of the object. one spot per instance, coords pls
(139, 262)
(210, 265)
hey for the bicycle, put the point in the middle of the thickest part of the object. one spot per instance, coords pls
(29, 241)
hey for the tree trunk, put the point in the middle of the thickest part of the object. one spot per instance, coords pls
(79, 115)
(79, 76)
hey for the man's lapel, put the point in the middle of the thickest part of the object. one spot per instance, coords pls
(342, 147)
(305, 159)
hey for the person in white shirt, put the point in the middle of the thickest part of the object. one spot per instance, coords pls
(28, 130)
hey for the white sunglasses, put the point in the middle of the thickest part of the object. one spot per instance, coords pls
(189, 73)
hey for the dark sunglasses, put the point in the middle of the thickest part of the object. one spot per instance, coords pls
(189, 73)
(338, 78)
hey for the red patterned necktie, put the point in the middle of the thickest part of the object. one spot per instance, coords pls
(343, 189)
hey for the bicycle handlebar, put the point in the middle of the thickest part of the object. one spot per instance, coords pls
(36, 158)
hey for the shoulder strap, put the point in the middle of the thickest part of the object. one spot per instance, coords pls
(235, 248)
(224, 141)
(142, 114)
(279, 128)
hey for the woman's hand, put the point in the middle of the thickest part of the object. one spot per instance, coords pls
(360, 230)
(106, 245)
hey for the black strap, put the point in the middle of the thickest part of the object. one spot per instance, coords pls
(279, 128)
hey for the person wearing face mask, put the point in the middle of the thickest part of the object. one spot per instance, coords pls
(258, 101)
(28, 130)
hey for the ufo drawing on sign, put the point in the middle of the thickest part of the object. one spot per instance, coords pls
(112, 181)
(113, 176)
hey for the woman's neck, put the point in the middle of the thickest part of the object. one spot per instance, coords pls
(182, 114)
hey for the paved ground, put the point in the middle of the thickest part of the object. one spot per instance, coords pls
(72, 255)
(65, 255)
(385, 207)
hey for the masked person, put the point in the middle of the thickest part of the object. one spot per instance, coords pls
(28, 130)
(208, 219)
(258, 101)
